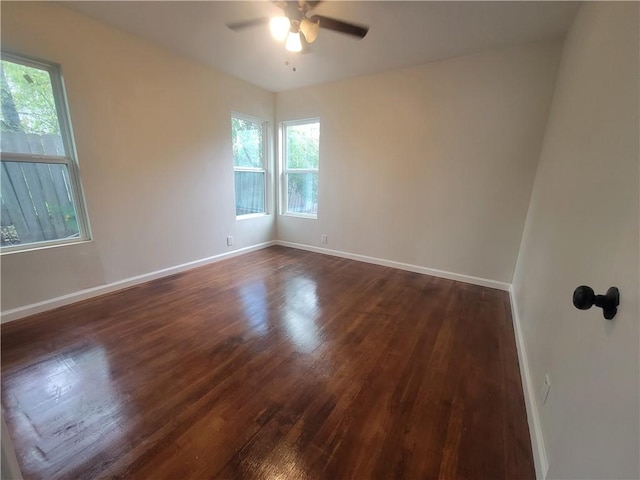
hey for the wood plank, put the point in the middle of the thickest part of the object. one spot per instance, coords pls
(37, 200)
(13, 214)
(35, 143)
(278, 363)
(51, 200)
(13, 181)
(52, 144)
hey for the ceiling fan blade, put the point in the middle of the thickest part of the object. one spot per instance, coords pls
(340, 26)
(255, 22)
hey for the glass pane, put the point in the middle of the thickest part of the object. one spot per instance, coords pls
(303, 145)
(302, 193)
(37, 203)
(247, 143)
(29, 121)
(249, 192)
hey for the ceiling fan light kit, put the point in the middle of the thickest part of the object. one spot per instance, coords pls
(309, 29)
(293, 44)
(287, 27)
(279, 27)
(284, 29)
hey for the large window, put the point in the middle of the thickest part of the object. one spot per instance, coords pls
(300, 159)
(249, 139)
(40, 191)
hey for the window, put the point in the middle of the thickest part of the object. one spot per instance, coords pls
(249, 139)
(301, 155)
(40, 191)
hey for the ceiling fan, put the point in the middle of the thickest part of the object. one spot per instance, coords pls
(296, 20)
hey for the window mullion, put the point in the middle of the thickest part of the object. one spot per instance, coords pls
(249, 169)
(27, 158)
(300, 171)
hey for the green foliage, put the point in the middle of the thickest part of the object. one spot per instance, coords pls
(303, 152)
(247, 141)
(9, 235)
(27, 100)
(68, 214)
(303, 146)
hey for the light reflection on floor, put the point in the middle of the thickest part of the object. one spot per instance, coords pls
(301, 312)
(75, 391)
(298, 314)
(254, 301)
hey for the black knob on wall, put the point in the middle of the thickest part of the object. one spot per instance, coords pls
(584, 298)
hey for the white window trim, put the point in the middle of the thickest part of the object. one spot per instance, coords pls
(70, 159)
(265, 161)
(282, 163)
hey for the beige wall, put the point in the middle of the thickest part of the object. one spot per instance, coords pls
(152, 131)
(582, 229)
(434, 170)
(431, 166)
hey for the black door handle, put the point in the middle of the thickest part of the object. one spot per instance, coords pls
(584, 298)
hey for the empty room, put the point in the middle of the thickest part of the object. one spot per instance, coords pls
(320, 240)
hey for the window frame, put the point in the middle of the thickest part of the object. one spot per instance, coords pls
(265, 161)
(70, 159)
(285, 170)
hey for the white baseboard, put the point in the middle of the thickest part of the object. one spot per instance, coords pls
(21, 312)
(533, 417)
(483, 282)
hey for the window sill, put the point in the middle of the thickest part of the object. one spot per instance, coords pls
(249, 216)
(31, 247)
(300, 215)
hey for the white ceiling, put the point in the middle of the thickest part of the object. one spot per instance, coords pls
(401, 34)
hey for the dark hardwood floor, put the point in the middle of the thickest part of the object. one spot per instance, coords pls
(279, 364)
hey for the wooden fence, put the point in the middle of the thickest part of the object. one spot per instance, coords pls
(36, 199)
(19, 142)
(250, 193)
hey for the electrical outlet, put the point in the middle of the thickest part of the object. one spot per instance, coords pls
(229, 240)
(323, 238)
(544, 392)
